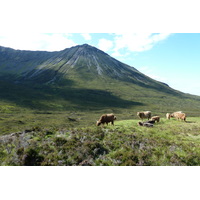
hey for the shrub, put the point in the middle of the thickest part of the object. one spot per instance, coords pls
(31, 157)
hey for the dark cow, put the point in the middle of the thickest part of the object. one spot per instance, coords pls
(150, 121)
(145, 124)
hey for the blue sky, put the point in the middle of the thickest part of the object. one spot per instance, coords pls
(170, 58)
(111, 26)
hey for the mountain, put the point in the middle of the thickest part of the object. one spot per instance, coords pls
(81, 77)
(81, 61)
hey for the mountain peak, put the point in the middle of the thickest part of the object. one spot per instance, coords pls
(82, 62)
(90, 48)
(86, 45)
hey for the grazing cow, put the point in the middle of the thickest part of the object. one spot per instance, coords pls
(145, 124)
(143, 115)
(106, 119)
(179, 115)
(168, 115)
(156, 118)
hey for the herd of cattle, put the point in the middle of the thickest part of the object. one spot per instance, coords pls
(109, 118)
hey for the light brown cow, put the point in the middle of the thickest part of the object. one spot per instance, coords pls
(156, 118)
(107, 118)
(179, 115)
(143, 115)
(168, 115)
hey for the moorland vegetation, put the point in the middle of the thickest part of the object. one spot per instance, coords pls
(168, 143)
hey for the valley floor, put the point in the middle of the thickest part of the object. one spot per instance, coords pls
(168, 143)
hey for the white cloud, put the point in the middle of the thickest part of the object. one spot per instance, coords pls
(130, 42)
(86, 36)
(137, 42)
(36, 41)
(105, 44)
(117, 54)
(148, 71)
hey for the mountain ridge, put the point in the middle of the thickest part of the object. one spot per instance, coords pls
(96, 61)
(82, 77)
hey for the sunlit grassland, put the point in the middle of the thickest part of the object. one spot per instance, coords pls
(169, 142)
(172, 130)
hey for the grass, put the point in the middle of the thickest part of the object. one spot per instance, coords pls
(168, 143)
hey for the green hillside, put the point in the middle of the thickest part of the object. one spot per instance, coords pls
(26, 106)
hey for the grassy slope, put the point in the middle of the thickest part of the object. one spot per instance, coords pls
(23, 111)
(24, 106)
(169, 142)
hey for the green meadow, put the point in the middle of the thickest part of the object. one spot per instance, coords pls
(62, 139)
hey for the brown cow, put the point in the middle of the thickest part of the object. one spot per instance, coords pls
(156, 118)
(179, 115)
(143, 115)
(106, 119)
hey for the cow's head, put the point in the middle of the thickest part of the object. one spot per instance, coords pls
(98, 123)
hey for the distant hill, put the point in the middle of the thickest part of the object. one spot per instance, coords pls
(83, 77)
